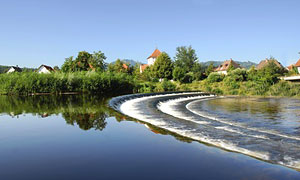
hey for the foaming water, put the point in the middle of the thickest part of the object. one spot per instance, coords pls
(184, 114)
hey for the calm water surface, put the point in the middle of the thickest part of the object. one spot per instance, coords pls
(79, 137)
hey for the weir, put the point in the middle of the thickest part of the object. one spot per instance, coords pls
(179, 112)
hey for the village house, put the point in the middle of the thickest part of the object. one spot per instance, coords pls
(151, 59)
(14, 69)
(266, 62)
(297, 65)
(45, 69)
(223, 68)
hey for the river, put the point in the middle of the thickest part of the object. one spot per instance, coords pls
(80, 137)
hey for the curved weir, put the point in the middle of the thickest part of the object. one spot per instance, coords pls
(178, 112)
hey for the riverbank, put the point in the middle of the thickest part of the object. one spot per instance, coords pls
(31, 83)
(27, 83)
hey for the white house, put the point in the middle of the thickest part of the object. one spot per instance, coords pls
(151, 59)
(45, 69)
(14, 69)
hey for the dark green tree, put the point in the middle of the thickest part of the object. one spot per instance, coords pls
(85, 62)
(185, 58)
(163, 66)
(209, 69)
(178, 74)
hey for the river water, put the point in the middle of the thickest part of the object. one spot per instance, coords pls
(80, 137)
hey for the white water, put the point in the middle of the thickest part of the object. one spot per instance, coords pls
(131, 109)
(215, 131)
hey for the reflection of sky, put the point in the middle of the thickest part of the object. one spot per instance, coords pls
(35, 148)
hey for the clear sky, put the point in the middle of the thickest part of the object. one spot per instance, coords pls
(35, 32)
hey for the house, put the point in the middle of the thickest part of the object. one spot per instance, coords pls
(14, 69)
(290, 67)
(45, 69)
(297, 65)
(143, 67)
(151, 59)
(125, 66)
(266, 62)
(223, 68)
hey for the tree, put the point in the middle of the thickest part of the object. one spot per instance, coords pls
(118, 66)
(84, 62)
(68, 65)
(209, 69)
(185, 58)
(56, 68)
(98, 60)
(198, 71)
(163, 66)
(178, 74)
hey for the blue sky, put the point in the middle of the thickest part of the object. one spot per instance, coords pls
(46, 32)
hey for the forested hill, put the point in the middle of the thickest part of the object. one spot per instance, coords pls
(245, 64)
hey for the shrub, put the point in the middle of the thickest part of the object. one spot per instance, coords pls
(215, 77)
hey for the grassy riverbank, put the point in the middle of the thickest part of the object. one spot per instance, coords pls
(26, 83)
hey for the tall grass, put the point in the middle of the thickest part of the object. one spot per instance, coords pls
(92, 82)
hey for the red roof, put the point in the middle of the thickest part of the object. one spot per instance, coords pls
(155, 54)
(143, 67)
(125, 66)
(226, 65)
(297, 63)
(290, 67)
(265, 62)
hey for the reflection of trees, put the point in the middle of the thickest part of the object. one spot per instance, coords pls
(87, 111)
(86, 121)
(269, 106)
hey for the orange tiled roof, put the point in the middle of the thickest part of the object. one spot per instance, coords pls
(265, 62)
(125, 66)
(297, 63)
(290, 67)
(226, 64)
(143, 67)
(155, 54)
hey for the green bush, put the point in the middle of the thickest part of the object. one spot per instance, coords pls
(215, 77)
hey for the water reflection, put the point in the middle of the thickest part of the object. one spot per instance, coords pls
(88, 112)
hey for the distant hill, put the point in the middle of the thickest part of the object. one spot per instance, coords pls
(128, 61)
(244, 64)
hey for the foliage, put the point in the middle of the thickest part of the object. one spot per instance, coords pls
(185, 58)
(165, 86)
(209, 69)
(198, 72)
(178, 74)
(93, 82)
(119, 66)
(162, 67)
(215, 77)
(85, 62)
